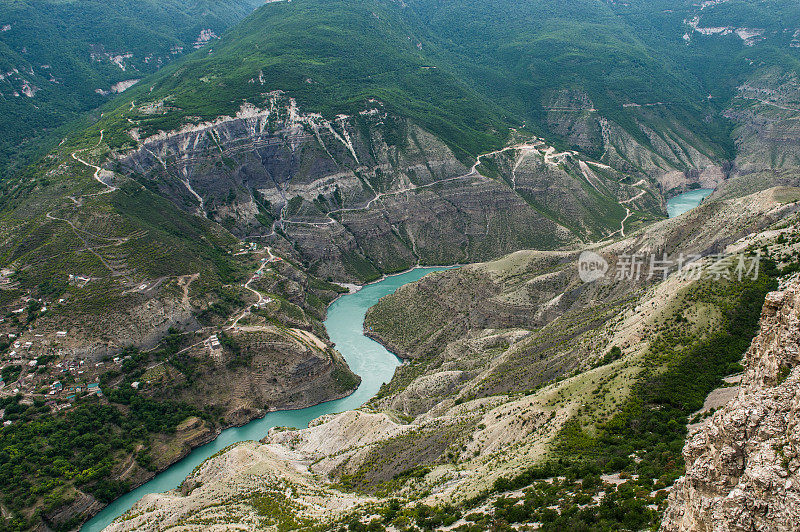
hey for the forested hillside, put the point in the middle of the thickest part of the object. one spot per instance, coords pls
(59, 59)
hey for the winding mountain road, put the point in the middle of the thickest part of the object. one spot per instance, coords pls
(98, 172)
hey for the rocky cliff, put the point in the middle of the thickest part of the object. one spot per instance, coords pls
(764, 114)
(370, 193)
(271, 368)
(742, 464)
(676, 157)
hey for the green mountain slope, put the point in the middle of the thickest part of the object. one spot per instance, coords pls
(719, 44)
(521, 53)
(463, 70)
(61, 58)
(498, 74)
(331, 56)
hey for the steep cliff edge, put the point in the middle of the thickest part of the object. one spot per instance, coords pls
(742, 464)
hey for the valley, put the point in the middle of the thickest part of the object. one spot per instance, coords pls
(375, 265)
(473, 434)
(374, 364)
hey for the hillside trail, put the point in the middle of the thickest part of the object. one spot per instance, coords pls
(98, 172)
(526, 147)
(259, 295)
(549, 154)
(628, 211)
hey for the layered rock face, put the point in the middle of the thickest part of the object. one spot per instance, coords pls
(371, 193)
(765, 114)
(742, 464)
(676, 157)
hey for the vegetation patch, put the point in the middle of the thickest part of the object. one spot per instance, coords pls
(644, 439)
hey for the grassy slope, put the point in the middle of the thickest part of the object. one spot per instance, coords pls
(55, 38)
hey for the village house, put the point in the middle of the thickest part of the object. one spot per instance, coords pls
(213, 343)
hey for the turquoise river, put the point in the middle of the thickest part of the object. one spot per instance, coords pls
(367, 358)
(686, 201)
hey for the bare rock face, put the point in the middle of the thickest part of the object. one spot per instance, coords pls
(742, 464)
(373, 193)
(765, 114)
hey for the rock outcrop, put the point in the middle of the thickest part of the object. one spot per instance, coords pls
(274, 369)
(742, 464)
